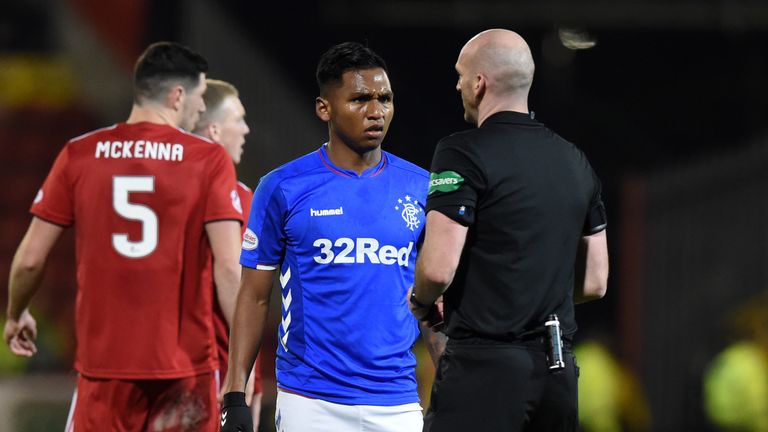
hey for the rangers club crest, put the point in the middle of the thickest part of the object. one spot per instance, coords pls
(409, 211)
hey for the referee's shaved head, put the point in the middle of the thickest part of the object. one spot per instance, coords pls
(503, 57)
(495, 71)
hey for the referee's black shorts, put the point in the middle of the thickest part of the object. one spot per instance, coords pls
(492, 386)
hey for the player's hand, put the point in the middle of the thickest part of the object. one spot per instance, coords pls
(20, 335)
(436, 320)
(235, 414)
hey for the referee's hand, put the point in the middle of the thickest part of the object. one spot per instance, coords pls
(235, 414)
(431, 314)
(436, 318)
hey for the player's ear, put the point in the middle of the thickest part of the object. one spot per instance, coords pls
(322, 109)
(176, 97)
(214, 131)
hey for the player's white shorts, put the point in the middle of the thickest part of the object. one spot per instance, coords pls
(296, 413)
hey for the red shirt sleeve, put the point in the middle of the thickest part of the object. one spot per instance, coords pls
(54, 201)
(223, 202)
(246, 197)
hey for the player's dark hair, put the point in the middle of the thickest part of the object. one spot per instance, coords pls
(344, 57)
(163, 65)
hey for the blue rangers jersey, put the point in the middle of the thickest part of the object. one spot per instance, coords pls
(346, 248)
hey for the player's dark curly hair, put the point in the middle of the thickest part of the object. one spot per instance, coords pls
(163, 65)
(344, 57)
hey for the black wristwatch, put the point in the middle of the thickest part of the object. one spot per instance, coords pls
(414, 301)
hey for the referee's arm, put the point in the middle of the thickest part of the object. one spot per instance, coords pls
(591, 268)
(439, 256)
(435, 267)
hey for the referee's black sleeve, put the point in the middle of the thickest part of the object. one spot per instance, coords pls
(456, 181)
(596, 219)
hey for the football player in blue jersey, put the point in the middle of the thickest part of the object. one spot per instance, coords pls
(342, 225)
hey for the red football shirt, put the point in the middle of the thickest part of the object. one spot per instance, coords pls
(246, 197)
(139, 196)
(219, 322)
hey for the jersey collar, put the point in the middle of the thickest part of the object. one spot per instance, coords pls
(512, 117)
(370, 172)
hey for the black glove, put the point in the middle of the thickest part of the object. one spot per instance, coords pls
(235, 414)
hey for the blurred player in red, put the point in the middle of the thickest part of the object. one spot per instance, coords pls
(223, 122)
(150, 203)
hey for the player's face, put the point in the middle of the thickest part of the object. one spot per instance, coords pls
(193, 105)
(232, 127)
(464, 86)
(361, 108)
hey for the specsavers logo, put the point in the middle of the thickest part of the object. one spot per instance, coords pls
(446, 181)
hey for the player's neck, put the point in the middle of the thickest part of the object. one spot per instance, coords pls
(344, 157)
(490, 106)
(151, 114)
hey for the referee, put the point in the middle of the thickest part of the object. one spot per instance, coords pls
(511, 208)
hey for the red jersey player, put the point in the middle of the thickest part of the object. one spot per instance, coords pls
(150, 203)
(223, 122)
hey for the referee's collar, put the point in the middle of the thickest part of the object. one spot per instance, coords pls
(512, 117)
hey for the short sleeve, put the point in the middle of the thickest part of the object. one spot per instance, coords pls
(264, 239)
(222, 200)
(54, 201)
(246, 196)
(596, 219)
(456, 180)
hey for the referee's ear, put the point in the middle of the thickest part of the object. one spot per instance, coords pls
(479, 86)
(323, 109)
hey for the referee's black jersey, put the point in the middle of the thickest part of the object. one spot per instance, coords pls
(527, 196)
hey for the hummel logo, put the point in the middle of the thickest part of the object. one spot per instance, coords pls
(223, 418)
(327, 212)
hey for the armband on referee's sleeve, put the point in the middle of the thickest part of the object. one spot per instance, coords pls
(461, 214)
(596, 220)
(595, 230)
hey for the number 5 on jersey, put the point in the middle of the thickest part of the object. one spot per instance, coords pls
(122, 186)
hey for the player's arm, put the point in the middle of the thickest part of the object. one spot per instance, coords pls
(251, 312)
(591, 268)
(434, 341)
(224, 237)
(26, 274)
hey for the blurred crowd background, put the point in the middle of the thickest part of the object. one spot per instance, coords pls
(668, 99)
